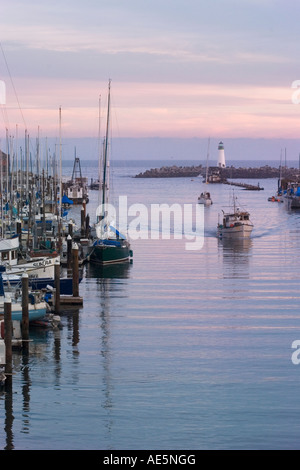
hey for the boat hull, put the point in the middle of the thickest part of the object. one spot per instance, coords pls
(39, 267)
(293, 202)
(36, 283)
(110, 254)
(35, 312)
(239, 231)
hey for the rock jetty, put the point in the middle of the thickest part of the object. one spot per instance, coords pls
(171, 172)
(222, 173)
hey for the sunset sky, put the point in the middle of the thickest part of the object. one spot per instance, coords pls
(179, 68)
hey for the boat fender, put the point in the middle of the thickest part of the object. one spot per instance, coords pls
(31, 299)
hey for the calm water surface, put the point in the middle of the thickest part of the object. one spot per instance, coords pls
(178, 350)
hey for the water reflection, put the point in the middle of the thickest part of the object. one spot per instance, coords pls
(46, 361)
(113, 271)
(23, 362)
(110, 286)
(236, 256)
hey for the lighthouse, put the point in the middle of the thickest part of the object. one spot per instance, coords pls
(221, 156)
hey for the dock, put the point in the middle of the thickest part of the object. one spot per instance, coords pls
(249, 187)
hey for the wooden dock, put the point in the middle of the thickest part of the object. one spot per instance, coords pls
(67, 300)
(249, 187)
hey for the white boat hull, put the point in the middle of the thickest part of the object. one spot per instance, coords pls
(38, 267)
(239, 231)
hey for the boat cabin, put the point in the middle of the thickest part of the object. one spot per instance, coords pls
(9, 251)
(230, 220)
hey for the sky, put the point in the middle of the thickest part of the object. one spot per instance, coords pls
(180, 69)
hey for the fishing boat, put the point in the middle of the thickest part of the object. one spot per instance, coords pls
(109, 245)
(36, 267)
(76, 189)
(235, 224)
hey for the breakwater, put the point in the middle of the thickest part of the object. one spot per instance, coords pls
(222, 173)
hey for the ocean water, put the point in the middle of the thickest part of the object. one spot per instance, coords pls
(181, 349)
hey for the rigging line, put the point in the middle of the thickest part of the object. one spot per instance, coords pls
(13, 85)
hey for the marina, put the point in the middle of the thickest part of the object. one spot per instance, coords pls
(149, 229)
(156, 333)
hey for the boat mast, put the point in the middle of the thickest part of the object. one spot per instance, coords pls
(105, 162)
(206, 176)
(99, 150)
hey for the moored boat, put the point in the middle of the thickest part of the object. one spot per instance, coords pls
(37, 307)
(109, 246)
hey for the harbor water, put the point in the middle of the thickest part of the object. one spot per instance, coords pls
(180, 349)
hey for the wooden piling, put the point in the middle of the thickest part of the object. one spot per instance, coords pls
(25, 310)
(69, 254)
(87, 226)
(8, 335)
(75, 270)
(57, 286)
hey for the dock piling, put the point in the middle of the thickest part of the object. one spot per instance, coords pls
(25, 311)
(57, 286)
(69, 254)
(8, 335)
(75, 270)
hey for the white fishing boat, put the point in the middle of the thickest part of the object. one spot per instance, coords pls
(205, 198)
(35, 267)
(235, 224)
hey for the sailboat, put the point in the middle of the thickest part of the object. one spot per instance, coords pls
(205, 197)
(109, 245)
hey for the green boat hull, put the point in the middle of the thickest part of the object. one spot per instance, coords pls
(106, 254)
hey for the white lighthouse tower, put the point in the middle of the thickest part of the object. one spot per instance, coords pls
(221, 156)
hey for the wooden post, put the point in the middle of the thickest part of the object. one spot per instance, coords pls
(19, 231)
(75, 271)
(82, 221)
(70, 226)
(25, 310)
(87, 226)
(8, 335)
(69, 254)
(57, 286)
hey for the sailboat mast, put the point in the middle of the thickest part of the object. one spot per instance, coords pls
(60, 165)
(207, 157)
(99, 149)
(106, 148)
